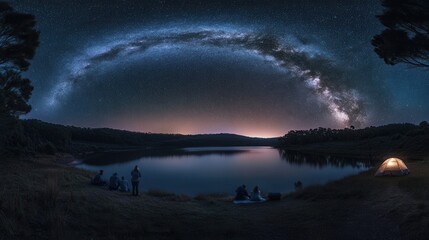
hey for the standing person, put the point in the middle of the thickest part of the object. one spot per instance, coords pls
(135, 179)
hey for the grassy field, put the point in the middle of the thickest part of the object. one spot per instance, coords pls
(40, 198)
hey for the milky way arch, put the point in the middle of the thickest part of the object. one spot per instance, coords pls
(317, 72)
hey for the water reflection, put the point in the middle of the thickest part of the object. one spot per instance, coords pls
(320, 161)
(101, 159)
(220, 170)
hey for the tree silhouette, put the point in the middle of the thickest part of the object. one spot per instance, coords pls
(406, 39)
(18, 42)
(15, 93)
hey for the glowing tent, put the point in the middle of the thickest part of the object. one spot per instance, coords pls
(392, 167)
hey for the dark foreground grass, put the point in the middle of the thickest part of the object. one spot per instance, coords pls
(40, 199)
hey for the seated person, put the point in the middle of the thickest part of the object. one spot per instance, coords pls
(98, 179)
(123, 185)
(114, 182)
(242, 193)
(255, 195)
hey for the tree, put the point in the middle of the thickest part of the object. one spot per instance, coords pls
(18, 43)
(15, 93)
(406, 39)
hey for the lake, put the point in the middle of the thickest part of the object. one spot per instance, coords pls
(204, 170)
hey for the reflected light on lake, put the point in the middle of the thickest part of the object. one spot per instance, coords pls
(221, 169)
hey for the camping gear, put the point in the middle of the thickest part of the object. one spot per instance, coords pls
(274, 196)
(392, 167)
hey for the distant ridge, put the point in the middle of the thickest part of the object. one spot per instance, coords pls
(403, 140)
(39, 136)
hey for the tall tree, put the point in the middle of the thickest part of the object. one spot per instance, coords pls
(406, 39)
(18, 42)
(15, 93)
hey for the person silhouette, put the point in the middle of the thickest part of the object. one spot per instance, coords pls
(242, 193)
(255, 195)
(114, 182)
(98, 179)
(123, 185)
(135, 179)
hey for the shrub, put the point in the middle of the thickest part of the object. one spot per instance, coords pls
(48, 148)
(424, 124)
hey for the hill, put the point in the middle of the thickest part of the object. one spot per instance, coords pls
(401, 140)
(38, 136)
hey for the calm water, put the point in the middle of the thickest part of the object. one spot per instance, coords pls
(221, 169)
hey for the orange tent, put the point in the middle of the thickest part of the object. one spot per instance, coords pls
(392, 167)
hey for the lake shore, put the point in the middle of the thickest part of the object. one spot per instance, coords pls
(375, 149)
(44, 199)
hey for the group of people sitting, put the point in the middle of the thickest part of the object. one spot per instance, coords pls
(119, 184)
(242, 194)
(122, 185)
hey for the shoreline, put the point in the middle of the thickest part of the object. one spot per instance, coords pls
(354, 150)
(55, 201)
(182, 151)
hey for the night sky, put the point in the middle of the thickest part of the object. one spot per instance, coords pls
(257, 68)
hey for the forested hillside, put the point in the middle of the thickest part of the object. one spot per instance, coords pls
(37, 136)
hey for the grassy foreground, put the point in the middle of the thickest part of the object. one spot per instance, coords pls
(40, 198)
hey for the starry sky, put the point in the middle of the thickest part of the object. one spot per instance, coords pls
(257, 68)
